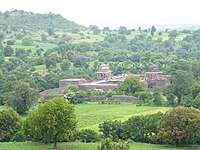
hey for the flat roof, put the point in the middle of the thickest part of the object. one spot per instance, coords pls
(103, 71)
(154, 72)
(72, 80)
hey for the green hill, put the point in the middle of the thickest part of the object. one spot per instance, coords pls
(19, 19)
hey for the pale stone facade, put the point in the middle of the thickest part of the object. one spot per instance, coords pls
(106, 82)
(104, 72)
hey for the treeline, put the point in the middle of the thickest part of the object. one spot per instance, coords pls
(178, 126)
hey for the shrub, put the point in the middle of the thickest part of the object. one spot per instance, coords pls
(87, 135)
(107, 144)
(142, 128)
(144, 97)
(19, 137)
(121, 145)
(180, 126)
(10, 123)
(112, 129)
(27, 41)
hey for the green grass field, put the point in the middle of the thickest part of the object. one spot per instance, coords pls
(85, 146)
(90, 115)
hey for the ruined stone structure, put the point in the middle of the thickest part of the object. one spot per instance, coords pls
(65, 82)
(106, 82)
(154, 77)
(104, 72)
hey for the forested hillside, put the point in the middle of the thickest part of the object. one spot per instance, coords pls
(20, 20)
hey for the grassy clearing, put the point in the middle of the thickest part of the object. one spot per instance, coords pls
(29, 146)
(85, 146)
(90, 115)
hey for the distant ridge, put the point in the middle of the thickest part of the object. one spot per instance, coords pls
(34, 21)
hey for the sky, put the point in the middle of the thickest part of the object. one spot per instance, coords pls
(114, 13)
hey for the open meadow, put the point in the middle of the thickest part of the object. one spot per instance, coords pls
(90, 115)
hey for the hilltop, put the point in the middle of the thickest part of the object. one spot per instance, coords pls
(19, 19)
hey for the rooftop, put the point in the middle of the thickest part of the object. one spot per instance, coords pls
(72, 80)
(153, 68)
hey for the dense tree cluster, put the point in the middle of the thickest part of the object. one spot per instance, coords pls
(178, 126)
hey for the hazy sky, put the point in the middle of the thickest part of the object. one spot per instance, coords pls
(114, 13)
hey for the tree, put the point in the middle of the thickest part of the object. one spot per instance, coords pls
(95, 29)
(10, 123)
(112, 129)
(106, 29)
(157, 98)
(75, 95)
(65, 64)
(22, 97)
(196, 69)
(196, 102)
(144, 97)
(52, 121)
(44, 37)
(180, 126)
(1, 46)
(173, 34)
(50, 31)
(170, 99)
(195, 89)
(8, 51)
(181, 84)
(160, 33)
(142, 128)
(52, 59)
(10, 42)
(131, 85)
(27, 41)
(153, 30)
(122, 30)
(2, 36)
(21, 53)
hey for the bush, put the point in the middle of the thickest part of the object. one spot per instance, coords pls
(121, 145)
(112, 129)
(87, 135)
(10, 123)
(27, 41)
(107, 144)
(19, 137)
(180, 126)
(75, 95)
(142, 128)
(137, 128)
(144, 97)
(10, 42)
